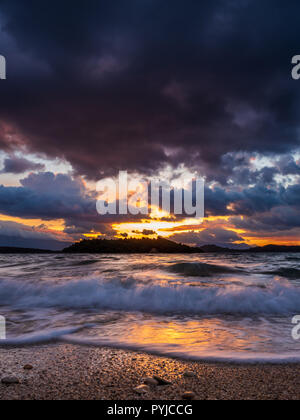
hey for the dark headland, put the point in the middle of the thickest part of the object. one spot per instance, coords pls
(161, 245)
(145, 246)
(131, 246)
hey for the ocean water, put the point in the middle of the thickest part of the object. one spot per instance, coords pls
(209, 307)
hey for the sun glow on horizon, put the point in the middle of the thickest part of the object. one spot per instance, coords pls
(53, 225)
(161, 228)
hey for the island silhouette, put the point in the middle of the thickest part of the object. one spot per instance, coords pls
(146, 246)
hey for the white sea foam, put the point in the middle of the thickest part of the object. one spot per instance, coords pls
(277, 298)
(203, 307)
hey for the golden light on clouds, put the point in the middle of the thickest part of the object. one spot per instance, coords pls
(160, 224)
(271, 240)
(92, 235)
(55, 225)
(161, 228)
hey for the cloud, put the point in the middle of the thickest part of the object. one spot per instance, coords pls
(19, 235)
(51, 196)
(216, 236)
(109, 93)
(15, 165)
(48, 196)
(145, 232)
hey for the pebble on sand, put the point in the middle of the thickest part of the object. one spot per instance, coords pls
(10, 380)
(189, 396)
(162, 381)
(142, 389)
(189, 374)
(151, 382)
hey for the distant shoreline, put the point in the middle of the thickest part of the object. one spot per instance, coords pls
(146, 246)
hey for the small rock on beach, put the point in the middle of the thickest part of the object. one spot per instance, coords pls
(142, 389)
(162, 381)
(151, 382)
(189, 396)
(10, 380)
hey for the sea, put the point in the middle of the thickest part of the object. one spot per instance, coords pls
(235, 307)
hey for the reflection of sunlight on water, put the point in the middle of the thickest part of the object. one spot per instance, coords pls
(191, 336)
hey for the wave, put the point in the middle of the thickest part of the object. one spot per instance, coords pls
(200, 269)
(49, 336)
(69, 336)
(287, 272)
(84, 262)
(127, 295)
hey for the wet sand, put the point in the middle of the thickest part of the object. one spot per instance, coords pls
(67, 372)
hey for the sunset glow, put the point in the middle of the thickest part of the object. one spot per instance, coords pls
(163, 126)
(149, 203)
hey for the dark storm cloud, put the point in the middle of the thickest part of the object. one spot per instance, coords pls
(237, 170)
(288, 166)
(19, 235)
(246, 202)
(48, 196)
(253, 201)
(134, 85)
(217, 236)
(15, 165)
(279, 219)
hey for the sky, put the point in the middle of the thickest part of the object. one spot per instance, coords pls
(155, 88)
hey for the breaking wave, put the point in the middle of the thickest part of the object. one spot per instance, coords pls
(277, 298)
(200, 269)
(287, 272)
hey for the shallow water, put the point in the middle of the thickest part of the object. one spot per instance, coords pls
(207, 306)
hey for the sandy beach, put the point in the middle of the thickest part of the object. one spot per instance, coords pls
(68, 372)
